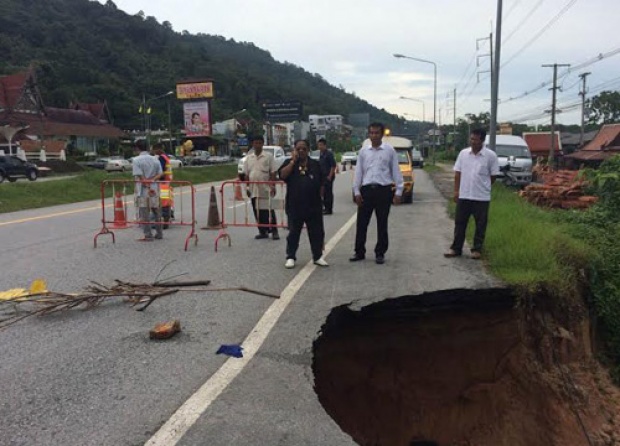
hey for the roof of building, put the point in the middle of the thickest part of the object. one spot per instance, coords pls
(12, 87)
(50, 146)
(606, 138)
(574, 139)
(594, 155)
(540, 143)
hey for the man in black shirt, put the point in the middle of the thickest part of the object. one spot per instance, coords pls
(328, 167)
(304, 186)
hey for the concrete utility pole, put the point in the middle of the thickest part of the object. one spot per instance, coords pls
(553, 110)
(495, 77)
(582, 93)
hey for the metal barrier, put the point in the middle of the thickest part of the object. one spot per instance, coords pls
(119, 192)
(239, 198)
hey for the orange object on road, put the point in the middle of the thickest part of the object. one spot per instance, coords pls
(120, 221)
(213, 217)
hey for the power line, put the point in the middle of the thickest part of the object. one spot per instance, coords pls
(523, 20)
(545, 28)
(469, 65)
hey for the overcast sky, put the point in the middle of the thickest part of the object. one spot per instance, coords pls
(351, 43)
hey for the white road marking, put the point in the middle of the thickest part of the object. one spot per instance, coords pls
(185, 417)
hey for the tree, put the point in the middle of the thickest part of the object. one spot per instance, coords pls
(604, 108)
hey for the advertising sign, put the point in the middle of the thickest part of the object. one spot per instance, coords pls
(282, 111)
(195, 90)
(197, 119)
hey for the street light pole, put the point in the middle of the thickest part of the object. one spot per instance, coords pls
(417, 100)
(146, 113)
(402, 56)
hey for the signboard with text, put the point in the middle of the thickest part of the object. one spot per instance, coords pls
(195, 90)
(282, 111)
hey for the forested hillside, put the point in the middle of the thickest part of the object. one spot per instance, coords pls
(87, 51)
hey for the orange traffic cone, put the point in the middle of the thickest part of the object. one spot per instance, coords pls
(213, 217)
(120, 221)
(238, 193)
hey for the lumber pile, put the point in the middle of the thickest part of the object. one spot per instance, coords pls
(559, 190)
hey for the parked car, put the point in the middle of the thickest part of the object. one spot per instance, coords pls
(175, 162)
(99, 163)
(349, 157)
(199, 158)
(513, 150)
(118, 165)
(12, 168)
(416, 158)
(276, 151)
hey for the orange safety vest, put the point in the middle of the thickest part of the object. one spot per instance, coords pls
(165, 190)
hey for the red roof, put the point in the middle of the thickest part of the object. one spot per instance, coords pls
(97, 110)
(12, 87)
(607, 137)
(594, 155)
(540, 143)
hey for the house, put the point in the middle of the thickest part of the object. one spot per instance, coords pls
(572, 142)
(24, 117)
(539, 144)
(605, 145)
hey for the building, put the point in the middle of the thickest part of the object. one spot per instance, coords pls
(539, 144)
(24, 117)
(605, 145)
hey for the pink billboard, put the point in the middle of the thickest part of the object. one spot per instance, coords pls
(197, 119)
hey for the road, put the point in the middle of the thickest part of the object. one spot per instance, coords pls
(92, 377)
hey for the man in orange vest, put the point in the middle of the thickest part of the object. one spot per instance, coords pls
(165, 190)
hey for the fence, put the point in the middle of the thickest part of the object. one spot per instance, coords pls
(118, 190)
(272, 201)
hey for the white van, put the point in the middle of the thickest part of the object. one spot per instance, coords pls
(513, 150)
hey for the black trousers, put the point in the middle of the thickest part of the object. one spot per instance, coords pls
(328, 196)
(464, 210)
(262, 218)
(316, 233)
(377, 199)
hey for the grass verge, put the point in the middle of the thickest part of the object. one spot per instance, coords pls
(87, 186)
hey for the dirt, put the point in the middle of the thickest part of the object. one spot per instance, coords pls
(463, 368)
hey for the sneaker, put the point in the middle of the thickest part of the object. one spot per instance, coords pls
(290, 263)
(321, 262)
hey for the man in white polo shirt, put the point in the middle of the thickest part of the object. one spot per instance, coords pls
(475, 171)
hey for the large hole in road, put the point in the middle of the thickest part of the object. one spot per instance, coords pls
(453, 368)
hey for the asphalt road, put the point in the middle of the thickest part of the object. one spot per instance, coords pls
(92, 377)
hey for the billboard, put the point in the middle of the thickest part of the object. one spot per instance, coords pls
(197, 118)
(195, 90)
(282, 111)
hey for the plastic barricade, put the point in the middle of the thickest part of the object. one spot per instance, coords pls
(121, 197)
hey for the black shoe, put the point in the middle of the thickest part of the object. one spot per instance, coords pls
(380, 260)
(356, 258)
(261, 236)
(327, 212)
(275, 235)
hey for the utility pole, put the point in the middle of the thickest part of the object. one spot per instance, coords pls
(495, 77)
(553, 110)
(582, 93)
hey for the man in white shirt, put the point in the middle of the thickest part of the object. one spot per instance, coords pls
(376, 170)
(475, 170)
(147, 171)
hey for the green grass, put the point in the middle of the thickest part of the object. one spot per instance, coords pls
(528, 246)
(87, 186)
(431, 168)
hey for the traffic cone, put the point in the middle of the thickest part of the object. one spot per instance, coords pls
(213, 217)
(120, 222)
(238, 193)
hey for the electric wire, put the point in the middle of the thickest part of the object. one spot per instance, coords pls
(522, 22)
(540, 32)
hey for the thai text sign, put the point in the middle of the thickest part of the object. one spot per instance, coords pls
(196, 90)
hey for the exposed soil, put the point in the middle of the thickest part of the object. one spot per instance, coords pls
(466, 368)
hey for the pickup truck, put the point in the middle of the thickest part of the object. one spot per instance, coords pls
(12, 168)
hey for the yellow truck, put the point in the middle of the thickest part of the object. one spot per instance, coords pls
(403, 148)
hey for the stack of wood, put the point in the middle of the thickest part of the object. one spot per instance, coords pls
(561, 190)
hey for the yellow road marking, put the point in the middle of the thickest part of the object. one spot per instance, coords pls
(43, 217)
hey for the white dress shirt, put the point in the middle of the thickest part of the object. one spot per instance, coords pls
(378, 165)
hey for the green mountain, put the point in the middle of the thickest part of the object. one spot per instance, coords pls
(88, 52)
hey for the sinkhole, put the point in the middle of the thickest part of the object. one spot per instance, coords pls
(445, 368)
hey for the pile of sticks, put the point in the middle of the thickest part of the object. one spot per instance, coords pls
(139, 295)
(561, 190)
